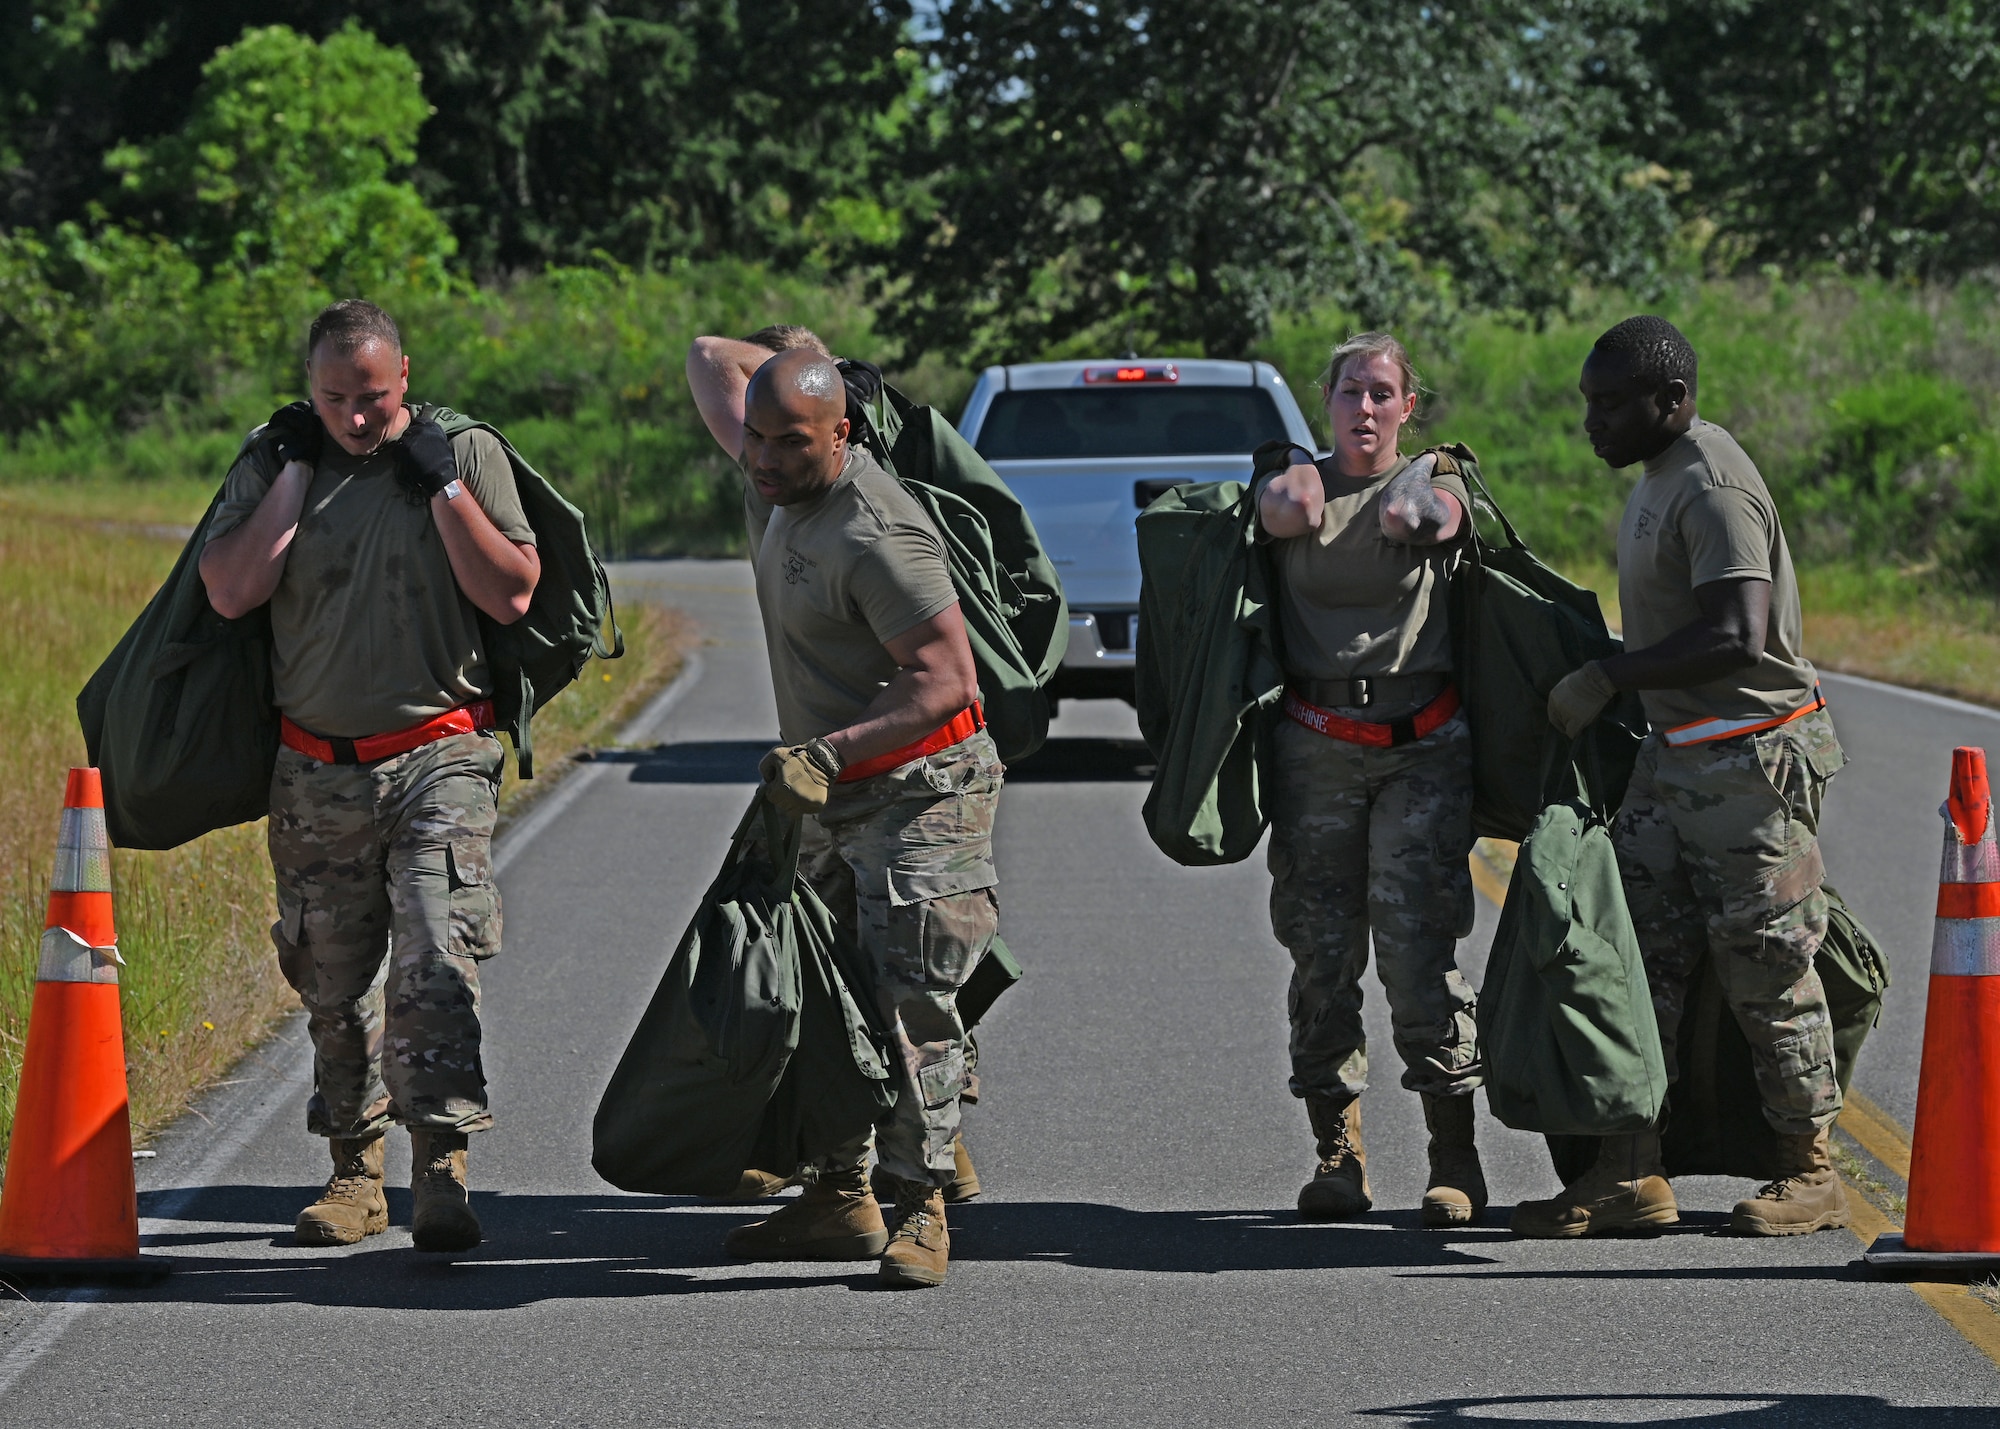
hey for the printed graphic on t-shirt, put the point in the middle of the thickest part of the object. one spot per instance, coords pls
(795, 566)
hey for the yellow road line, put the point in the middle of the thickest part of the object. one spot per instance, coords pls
(1961, 1309)
(1877, 1132)
(1488, 874)
(1873, 1128)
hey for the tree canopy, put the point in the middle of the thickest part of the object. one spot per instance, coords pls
(1177, 170)
(1014, 177)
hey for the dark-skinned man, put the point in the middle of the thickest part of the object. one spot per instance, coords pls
(376, 541)
(1717, 838)
(719, 372)
(883, 746)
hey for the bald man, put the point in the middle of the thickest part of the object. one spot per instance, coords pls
(884, 746)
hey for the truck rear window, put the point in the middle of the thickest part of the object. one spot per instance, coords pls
(1129, 421)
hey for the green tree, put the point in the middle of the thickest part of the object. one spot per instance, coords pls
(281, 173)
(275, 195)
(648, 130)
(1176, 171)
(1861, 132)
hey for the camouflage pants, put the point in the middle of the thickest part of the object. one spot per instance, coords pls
(1718, 848)
(905, 860)
(386, 904)
(1364, 840)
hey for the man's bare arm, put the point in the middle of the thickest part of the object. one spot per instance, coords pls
(243, 568)
(496, 574)
(936, 680)
(719, 370)
(1729, 636)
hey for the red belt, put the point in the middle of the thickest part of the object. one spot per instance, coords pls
(1384, 735)
(466, 719)
(961, 726)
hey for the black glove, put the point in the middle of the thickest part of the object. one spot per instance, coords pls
(296, 433)
(424, 460)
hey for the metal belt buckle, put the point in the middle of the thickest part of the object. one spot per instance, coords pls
(1361, 693)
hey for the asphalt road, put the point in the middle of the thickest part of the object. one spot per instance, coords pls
(1134, 1260)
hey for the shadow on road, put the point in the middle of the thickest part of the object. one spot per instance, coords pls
(734, 761)
(1715, 1411)
(610, 1246)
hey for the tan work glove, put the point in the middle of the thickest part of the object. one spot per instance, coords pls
(1580, 697)
(798, 777)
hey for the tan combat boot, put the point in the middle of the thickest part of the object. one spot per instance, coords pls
(352, 1206)
(963, 1186)
(1457, 1194)
(755, 1185)
(441, 1217)
(920, 1245)
(1339, 1188)
(1623, 1193)
(1807, 1196)
(834, 1218)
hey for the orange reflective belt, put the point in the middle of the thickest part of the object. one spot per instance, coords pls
(1383, 735)
(1706, 731)
(961, 726)
(466, 719)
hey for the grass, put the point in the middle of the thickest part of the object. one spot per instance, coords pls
(201, 985)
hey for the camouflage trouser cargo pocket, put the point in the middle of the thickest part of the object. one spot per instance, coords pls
(942, 1080)
(475, 902)
(1796, 1074)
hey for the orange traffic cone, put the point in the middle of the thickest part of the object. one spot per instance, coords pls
(69, 1207)
(1954, 1201)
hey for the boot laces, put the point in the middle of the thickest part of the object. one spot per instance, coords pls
(1782, 1188)
(911, 1213)
(348, 1188)
(1338, 1154)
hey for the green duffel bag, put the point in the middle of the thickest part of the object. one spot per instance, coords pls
(1715, 1121)
(760, 1048)
(1517, 628)
(180, 718)
(1566, 1024)
(1715, 1124)
(1209, 679)
(1016, 618)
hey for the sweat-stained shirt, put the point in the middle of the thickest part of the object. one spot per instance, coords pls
(370, 632)
(837, 576)
(1352, 604)
(1702, 513)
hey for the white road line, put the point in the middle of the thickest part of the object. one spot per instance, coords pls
(548, 810)
(1922, 697)
(220, 1150)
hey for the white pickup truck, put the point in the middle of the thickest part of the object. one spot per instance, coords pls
(1088, 445)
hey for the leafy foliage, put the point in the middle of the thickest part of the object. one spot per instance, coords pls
(646, 130)
(1861, 132)
(274, 196)
(1177, 172)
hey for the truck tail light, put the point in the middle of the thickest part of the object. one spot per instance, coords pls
(1163, 372)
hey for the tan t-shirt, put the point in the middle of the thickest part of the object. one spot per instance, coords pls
(836, 577)
(370, 631)
(1702, 513)
(1351, 602)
